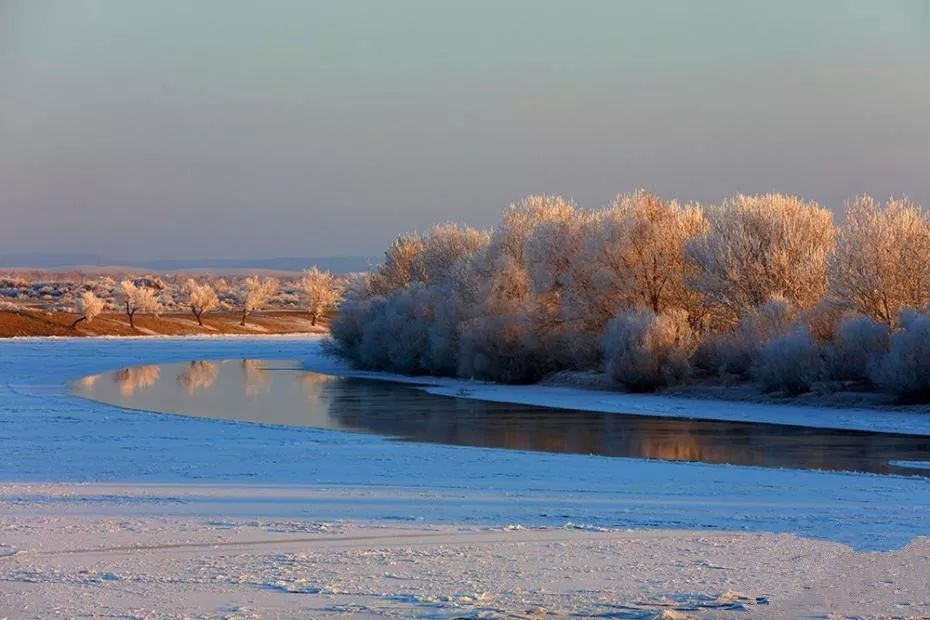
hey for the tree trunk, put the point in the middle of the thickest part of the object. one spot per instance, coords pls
(78, 320)
(244, 314)
(313, 319)
(132, 323)
(197, 314)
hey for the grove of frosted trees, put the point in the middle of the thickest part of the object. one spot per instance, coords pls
(655, 293)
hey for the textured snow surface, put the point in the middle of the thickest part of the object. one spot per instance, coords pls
(49, 435)
(64, 565)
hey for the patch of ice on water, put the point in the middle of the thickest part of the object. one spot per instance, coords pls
(911, 464)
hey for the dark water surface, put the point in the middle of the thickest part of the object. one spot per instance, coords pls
(280, 393)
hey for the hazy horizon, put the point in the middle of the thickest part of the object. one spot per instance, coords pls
(142, 130)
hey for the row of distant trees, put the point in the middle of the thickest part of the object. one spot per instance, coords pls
(320, 290)
(656, 293)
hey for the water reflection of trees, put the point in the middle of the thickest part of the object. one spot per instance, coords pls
(314, 387)
(85, 384)
(198, 376)
(255, 379)
(401, 411)
(130, 380)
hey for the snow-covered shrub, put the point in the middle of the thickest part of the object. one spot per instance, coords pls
(790, 362)
(733, 353)
(644, 350)
(823, 318)
(499, 339)
(905, 370)
(858, 343)
(497, 349)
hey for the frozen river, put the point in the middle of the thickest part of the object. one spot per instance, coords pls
(280, 392)
(50, 434)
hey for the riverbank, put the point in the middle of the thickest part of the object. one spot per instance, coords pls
(38, 323)
(166, 551)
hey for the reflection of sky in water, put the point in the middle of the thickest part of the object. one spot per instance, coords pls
(278, 392)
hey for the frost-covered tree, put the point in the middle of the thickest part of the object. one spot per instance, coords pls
(515, 330)
(554, 287)
(321, 292)
(138, 298)
(255, 293)
(400, 267)
(89, 307)
(644, 350)
(640, 250)
(634, 257)
(444, 248)
(882, 260)
(757, 247)
(201, 298)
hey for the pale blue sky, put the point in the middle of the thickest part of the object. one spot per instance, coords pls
(145, 129)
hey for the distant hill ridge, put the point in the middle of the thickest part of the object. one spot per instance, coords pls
(335, 264)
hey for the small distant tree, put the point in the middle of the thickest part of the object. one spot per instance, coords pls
(138, 299)
(201, 298)
(255, 294)
(89, 307)
(321, 290)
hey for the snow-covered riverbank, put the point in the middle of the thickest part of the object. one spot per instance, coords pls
(143, 551)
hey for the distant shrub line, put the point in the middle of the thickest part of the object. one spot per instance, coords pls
(656, 293)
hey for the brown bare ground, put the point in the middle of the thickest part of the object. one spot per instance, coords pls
(34, 322)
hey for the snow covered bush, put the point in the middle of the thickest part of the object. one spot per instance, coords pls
(882, 260)
(646, 288)
(757, 247)
(644, 350)
(858, 344)
(733, 353)
(905, 369)
(790, 362)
